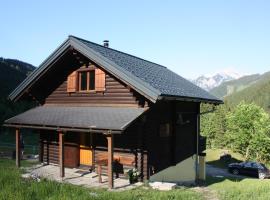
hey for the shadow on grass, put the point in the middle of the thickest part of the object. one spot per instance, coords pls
(223, 163)
(210, 180)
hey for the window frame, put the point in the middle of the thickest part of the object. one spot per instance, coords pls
(87, 70)
(164, 130)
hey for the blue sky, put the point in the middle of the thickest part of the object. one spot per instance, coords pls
(189, 37)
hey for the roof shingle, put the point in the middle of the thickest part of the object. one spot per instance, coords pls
(111, 118)
(157, 76)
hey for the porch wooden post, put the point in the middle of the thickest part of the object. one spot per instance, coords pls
(18, 148)
(110, 160)
(61, 154)
(41, 148)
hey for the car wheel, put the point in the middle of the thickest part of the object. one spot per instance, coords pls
(235, 171)
(261, 175)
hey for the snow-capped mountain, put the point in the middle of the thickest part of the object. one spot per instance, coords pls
(209, 82)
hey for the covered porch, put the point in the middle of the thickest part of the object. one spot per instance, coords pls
(61, 120)
(76, 176)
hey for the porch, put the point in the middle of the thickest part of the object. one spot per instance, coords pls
(76, 176)
(61, 121)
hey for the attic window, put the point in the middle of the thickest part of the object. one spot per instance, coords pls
(86, 80)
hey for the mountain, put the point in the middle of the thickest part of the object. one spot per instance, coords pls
(210, 82)
(12, 72)
(257, 91)
(230, 87)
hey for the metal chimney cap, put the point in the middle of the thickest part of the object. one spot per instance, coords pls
(106, 43)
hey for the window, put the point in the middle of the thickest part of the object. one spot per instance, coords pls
(164, 130)
(87, 80)
(92, 80)
(248, 165)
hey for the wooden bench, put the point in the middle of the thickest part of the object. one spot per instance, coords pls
(103, 161)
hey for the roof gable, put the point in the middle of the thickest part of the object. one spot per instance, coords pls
(150, 79)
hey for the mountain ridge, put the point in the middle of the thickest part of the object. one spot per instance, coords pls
(258, 92)
(208, 82)
(12, 72)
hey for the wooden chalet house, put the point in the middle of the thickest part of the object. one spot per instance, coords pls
(102, 108)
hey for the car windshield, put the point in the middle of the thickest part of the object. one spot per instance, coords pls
(263, 166)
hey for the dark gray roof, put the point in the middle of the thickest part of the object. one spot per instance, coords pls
(157, 76)
(105, 118)
(150, 79)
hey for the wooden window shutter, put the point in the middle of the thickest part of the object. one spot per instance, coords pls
(72, 82)
(99, 80)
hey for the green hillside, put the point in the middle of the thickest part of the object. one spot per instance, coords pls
(258, 92)
(230, 87)
(12, 72)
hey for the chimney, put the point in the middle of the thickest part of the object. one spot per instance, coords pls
(106, 43)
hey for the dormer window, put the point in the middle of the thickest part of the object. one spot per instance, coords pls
(86, 80)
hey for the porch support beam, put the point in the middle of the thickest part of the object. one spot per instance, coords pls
(18, 148)
(61, 154)
(110, 160)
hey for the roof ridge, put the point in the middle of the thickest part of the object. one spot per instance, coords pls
(117, 51)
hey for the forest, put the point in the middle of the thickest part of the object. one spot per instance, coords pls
(244, 128)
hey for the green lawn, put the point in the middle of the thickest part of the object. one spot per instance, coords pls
(235, 188)
(13, 187)
(240, 189)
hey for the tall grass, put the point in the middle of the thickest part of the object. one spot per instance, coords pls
(13, 187)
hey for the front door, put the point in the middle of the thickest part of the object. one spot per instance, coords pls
(86, 153)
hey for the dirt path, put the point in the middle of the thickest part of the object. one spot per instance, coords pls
(206, 193)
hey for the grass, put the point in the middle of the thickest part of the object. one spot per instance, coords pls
(212, 158)
(240, 189)
(235, 188)
(13, 187)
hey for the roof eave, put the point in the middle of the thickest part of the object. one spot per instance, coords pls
(59, 128)
(191, 99)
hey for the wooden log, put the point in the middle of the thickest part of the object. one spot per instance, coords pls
(99, 174)
(18, 148)
(61, 154)
(110, 160)
(41, 148)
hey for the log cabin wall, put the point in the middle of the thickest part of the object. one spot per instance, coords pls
(144, 141)
(157, 148)
(116, 93)
(50, 145)
(165, 150)
(185, 131)
(52, 86)
(49, 142)
(126, 147)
